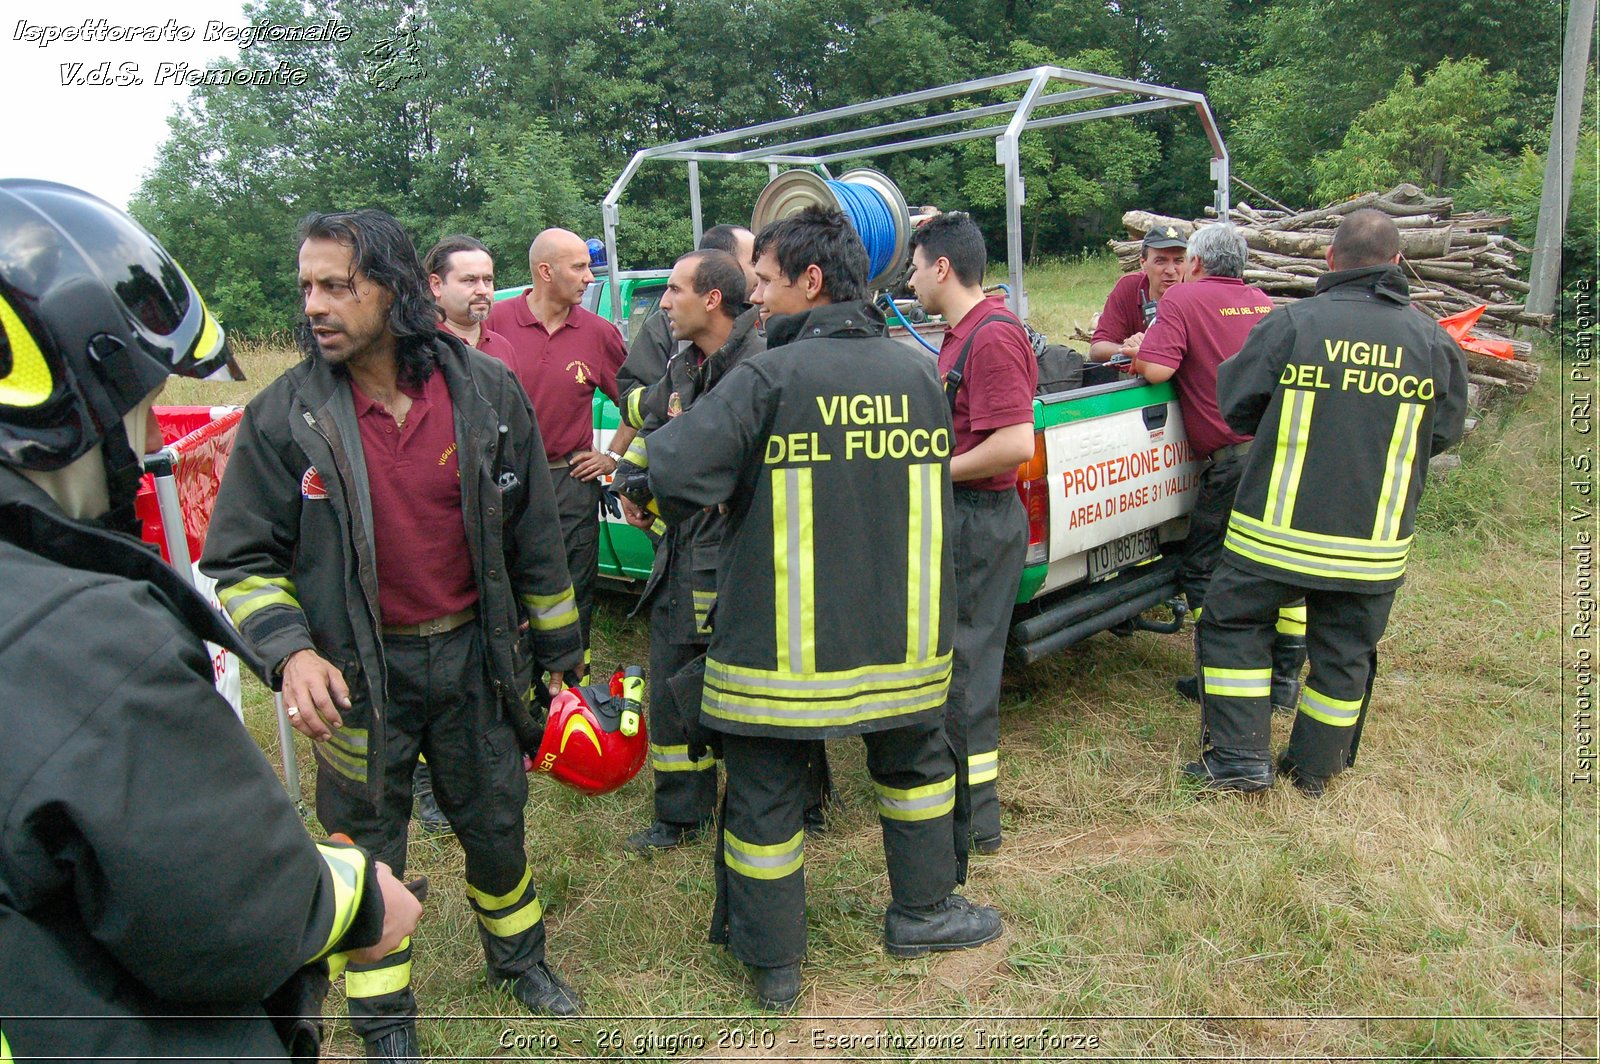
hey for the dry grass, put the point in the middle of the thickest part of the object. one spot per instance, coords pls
(1440, 901)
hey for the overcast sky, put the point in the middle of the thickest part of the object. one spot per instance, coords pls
(99, 137)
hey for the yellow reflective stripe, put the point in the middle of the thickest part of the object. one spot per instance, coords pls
(1397, 465)
(254, 593)
(794, 589)
(347, 867)
(703, 601)
(345, 752)
(809, 715)
(929, 802)
(388, 976)
(1292, 620)
(515, 923)
(1239, 683)
(924, 573)
(637, 453)
(492, 901)
(1299, 561)
(29, 382)
(764, 862)
(635, 418)
(1320, 542)
(981, 768)
(546, 613)
(210, 334)
(677, 759)
(1289, 457)
(1336, 712)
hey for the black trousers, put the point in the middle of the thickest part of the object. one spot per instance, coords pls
(1234, 643)
(441, 704)
(760, 910)
(681, 758)
(578, 506)
(989, 538)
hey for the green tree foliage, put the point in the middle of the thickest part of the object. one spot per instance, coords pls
(1311, 66)
(503, 117)
(1429, 132)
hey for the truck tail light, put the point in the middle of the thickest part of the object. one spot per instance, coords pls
(1034, 489)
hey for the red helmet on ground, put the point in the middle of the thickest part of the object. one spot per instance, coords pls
(594, 740)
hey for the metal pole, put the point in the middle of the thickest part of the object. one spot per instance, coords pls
(291, 768)
(1545, 272)
(694, 201)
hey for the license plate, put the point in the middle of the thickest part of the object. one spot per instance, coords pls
(1108, 558)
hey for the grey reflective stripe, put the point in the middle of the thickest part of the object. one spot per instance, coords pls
(1290, 539)
(940, 795)
(1313, 564)
(797, 628)
(678, 759)
(1327, 708)
(925, 503)
(978, 762)
(747, 852)
(722, 704)
(847, 683)
(1396, 475)
(238, 602)
(1298, 401)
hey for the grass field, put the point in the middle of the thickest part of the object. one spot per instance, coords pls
(1440, 901)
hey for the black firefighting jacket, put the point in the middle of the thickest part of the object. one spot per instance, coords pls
(1348, 395)
(688, 557)
(835, 601)
(291, 548)
(156, 884)
(646, 362)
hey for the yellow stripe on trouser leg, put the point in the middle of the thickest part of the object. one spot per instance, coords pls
(676, 758)
(391, 974)
(1292, 620)
(1237, 683)
(1335, 712)
(983, 767)
(764, 862)
(929, 802)
(511, 913)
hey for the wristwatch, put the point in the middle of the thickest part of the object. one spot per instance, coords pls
(613, 455)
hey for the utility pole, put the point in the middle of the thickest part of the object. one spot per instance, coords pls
(1545, 279)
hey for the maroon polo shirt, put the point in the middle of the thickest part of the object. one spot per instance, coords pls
(489, 342)
(424, 570)
(997, 384)
(1124, 310)
(1201, 325)
(560, 371)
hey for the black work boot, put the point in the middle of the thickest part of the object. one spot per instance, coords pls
(954, 923)
(777, 989)
(664, 835)
(1188, 687)
(541, 991)
(1224, 772)
(1312, 786)
(427, 811)
(398, 1044)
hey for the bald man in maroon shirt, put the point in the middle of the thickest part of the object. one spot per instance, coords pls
(563, 354)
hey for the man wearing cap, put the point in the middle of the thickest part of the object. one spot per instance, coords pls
(1131, 307)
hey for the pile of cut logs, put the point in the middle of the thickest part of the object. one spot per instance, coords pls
(1452, 261)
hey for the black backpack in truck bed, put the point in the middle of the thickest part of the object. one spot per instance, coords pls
(1060, 367)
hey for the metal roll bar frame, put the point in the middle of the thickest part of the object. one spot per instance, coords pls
(1018, 116)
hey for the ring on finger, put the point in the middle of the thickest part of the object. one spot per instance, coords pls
(293, 711)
